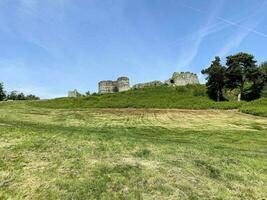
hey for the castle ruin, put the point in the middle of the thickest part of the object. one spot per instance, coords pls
(183, 78)
(122, 84)
(177, 79)
(148, 84)
(74, 93)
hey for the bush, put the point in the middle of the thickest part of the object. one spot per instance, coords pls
(181, 89)
(257, 107)
(199, 92)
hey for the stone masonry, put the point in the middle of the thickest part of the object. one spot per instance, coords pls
(74, 93)
(148, 84)
(183, 78)
(122, 84)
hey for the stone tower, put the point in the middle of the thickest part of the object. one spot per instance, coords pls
(123, 84)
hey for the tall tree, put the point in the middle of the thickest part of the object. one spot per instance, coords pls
(215, 79)
(264, 92)
(31, 97)
(87, 93)
(240, 68)
(15, 95)
(2, 92)
(263, 70)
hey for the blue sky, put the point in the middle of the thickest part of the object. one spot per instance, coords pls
(51, 46)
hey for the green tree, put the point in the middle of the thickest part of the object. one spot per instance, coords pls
(257, 82)
(241, 67)
(264, 92)
(2, 92)
(21, 96)
(215, 79)
(14, 95)
(87, 93)
(31, 97)
(263, 69)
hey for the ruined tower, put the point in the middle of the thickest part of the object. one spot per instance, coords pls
(74, 93)
(107, 87)
(122, 84)
(183, 78)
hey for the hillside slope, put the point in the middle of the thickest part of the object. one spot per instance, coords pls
(186, 97)
(182, 97)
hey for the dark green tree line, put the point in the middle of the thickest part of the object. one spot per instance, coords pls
(14, 95)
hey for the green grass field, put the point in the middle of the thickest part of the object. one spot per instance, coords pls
(81, 153)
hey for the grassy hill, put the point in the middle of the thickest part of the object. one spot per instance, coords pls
(182, 97)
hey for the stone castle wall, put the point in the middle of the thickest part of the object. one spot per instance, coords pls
(107, 87)
(122, 84)
(74, 93)
(148, 84)
(183, 78)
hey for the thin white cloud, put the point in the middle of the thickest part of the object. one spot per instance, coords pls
(190, 48)
(245, 29)
(236, 24)
(190, 44)
(211, 29)
(34, 16)
(206, 30)
(249, 29)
